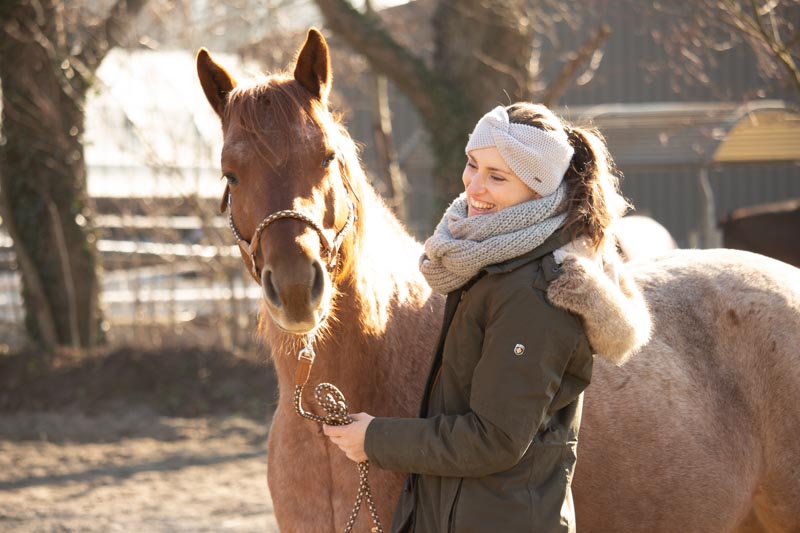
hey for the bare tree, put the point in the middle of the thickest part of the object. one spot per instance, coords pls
(703, 28)
(483, 55)
(49, 52)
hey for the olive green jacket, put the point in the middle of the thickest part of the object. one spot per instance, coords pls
(494, 448)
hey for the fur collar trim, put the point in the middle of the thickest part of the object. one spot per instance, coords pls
(614, 313)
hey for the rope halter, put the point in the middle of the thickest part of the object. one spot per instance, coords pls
(328, 249)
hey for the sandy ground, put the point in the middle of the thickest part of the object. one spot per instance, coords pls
(132, 470)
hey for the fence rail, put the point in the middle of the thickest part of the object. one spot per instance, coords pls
(156, 286)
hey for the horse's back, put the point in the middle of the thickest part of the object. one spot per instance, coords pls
(688, 264)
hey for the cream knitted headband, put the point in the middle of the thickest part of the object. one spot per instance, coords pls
(539, 157)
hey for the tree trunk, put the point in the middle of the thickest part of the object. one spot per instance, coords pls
(46, 68)
(483, 51)
(482, 59)
(43, 179)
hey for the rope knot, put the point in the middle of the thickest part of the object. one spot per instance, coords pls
(332, 402)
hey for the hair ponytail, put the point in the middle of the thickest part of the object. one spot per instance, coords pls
(593, 196)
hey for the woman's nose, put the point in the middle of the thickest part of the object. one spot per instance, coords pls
(476, 184)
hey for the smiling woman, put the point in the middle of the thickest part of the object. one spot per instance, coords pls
(495, 446)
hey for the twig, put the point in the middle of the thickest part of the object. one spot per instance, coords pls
(558, 87)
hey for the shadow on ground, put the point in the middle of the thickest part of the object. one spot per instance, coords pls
(168, 440)
(182, 382)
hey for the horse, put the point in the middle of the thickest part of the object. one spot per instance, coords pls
(769, 229)
(696, 432)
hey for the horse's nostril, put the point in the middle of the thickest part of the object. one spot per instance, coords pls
(269, 288)
(317, 282)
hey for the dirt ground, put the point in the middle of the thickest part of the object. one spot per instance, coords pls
(131, 441)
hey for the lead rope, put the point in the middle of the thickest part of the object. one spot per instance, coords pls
(333, 403)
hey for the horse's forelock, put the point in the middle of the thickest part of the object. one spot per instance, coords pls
(275, 115)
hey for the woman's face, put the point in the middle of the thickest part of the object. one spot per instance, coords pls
(490, 184)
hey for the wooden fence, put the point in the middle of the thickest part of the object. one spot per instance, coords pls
(166, 278)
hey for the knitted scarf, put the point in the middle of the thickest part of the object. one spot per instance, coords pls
(462, 246)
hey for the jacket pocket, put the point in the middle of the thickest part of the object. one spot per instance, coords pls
(451, 518)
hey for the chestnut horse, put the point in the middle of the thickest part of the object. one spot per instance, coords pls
(698, 432)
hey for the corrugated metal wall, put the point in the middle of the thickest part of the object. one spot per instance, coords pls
(673, 196)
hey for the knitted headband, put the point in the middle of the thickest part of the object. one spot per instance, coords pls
(539, 157)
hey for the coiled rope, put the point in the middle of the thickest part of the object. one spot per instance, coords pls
(332, 402)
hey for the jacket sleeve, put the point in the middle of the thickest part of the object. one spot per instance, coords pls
(509, 398)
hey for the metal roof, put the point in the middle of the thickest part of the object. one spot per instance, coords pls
(695, 134)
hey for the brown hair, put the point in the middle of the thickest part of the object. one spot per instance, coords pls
(593, 196)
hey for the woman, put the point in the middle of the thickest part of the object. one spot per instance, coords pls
(495, 446)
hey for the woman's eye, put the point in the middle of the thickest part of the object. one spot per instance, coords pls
(472, 165)
(497, 178)
(231, 178)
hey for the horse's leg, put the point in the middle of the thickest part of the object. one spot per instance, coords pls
(751, 524)
(776, 395)
(769, 517)
(776, 503)
(314, 485)
(298, 475)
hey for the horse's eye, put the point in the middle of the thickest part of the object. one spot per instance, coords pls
(328, 158)
(231, 178)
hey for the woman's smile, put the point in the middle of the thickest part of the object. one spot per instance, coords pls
(480, 207)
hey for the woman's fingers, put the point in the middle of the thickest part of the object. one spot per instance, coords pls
(350, 438)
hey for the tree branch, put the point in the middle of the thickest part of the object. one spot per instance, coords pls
(366, 36)
(773, 43)
(557, 88)
(110, 33)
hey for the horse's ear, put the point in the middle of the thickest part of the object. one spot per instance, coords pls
(216, 81)
(312, 69)
(223, 205)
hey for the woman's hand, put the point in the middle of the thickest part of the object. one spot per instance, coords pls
(350, 438)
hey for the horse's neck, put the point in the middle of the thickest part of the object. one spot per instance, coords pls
(386, 272)
(385, 278)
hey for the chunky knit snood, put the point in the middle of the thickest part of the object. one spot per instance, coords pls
(462, 246)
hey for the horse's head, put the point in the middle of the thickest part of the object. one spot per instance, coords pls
(290, 205)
